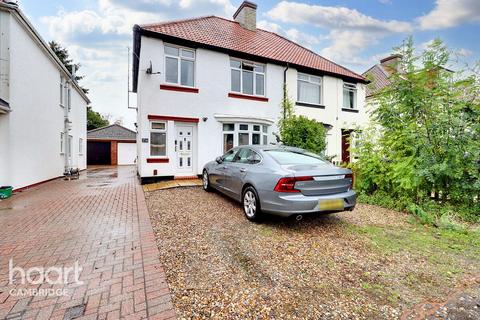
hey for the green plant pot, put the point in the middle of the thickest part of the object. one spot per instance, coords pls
(6, 192)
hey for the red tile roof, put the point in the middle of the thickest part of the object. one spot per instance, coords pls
(229, 35)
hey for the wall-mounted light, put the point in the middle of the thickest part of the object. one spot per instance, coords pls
(205, 119)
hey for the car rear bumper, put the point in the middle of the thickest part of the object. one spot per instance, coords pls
(288, 204)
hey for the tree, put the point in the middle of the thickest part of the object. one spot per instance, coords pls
(426, 129)
(64, 56)
(301, 132)
(95, 120)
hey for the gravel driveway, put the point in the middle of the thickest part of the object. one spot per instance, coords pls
(371, 263)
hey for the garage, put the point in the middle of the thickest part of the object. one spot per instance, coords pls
(111, 145)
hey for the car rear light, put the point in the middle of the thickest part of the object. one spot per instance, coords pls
(350, 176)
(287, 184)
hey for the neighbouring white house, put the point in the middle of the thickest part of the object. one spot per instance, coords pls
(42, 111)
(207, 84)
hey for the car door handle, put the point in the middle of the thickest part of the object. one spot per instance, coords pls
(243, 170)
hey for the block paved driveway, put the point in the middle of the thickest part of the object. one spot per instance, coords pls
(102, 222)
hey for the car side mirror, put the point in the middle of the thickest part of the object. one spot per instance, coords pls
(219, 160)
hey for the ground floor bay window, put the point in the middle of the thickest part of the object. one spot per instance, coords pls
(240, 134)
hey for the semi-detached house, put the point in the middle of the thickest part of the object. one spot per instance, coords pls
(205, 85)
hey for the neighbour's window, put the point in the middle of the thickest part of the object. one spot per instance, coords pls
(158, 139)
(179, 65)
(240, 134)
(80, 145)
(61, 91)
(309, 89)
(70, 139)
(349, 96)
(69, 98)
(247, 77)
(62, 143)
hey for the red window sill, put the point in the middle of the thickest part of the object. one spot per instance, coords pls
(178, 88)
(247, 97)
(157, 160)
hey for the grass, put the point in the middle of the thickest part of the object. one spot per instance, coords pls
(444, 255)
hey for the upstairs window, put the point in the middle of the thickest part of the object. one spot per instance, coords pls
(247, 77)
(309, 89)
(349, 96)
(179, 66)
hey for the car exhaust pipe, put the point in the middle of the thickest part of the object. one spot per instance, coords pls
(299, 217)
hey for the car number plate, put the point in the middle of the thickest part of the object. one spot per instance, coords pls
(331, 204)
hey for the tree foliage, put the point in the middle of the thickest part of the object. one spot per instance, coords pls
(64, 56)
(424, 142)
(95, 120)
(301, 132)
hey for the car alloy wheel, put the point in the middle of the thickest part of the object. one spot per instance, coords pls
(205, 181)
(250, 204)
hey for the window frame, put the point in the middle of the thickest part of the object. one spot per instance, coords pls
(62, 86)
(165, 131)
(80, 146)
(309, 80)
(254, 73)
(351, 87)
(263, 132)
(179, 59)
(62, 143)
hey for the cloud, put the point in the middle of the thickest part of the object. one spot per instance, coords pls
(98, 40)
(293, 34)
(333, 17)
(349, 31)
(450, 13)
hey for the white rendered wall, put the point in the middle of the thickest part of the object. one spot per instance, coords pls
(126, 153)
(31, 132)
(212, 78)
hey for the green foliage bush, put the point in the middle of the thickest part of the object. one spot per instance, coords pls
(424, 141)
(301, 132)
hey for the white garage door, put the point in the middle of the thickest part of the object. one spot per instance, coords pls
(127, 153)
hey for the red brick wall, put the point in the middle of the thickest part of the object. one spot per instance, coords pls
(113, 153)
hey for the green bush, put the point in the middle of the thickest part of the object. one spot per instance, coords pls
(301, 132)
(424, 141)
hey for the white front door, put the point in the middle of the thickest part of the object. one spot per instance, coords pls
(184, 149)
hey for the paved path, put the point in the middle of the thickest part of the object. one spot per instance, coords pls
(101, 222)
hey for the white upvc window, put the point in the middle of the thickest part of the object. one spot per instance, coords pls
(179, 65)
(62, 91)
(70, 146)
(239, 134)
(247, 77)
(309, 89)
(62, 143)
(158, 139)
(80, 145)
(69, 98)
(349, 96)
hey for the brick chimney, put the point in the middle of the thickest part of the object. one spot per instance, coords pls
(246, 15)
(392, 63)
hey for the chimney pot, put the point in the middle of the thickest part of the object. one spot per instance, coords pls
(246, 15)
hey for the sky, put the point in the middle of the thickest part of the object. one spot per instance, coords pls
(353, 33)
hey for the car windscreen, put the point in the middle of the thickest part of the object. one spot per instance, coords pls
(287, 157)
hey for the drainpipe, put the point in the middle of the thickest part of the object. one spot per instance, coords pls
(67, 122)
(285, 88)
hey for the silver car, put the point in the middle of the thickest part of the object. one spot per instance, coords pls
(280, 180)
